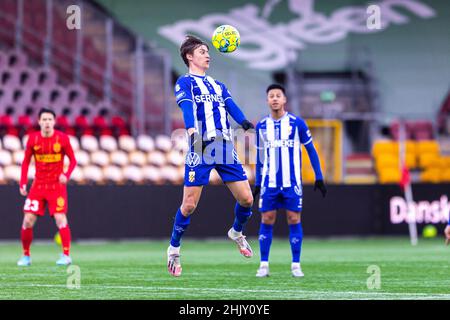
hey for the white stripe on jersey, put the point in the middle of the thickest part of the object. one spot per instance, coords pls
(297, 157)
(208, 108)
(285, 158)
(272, 154)
(223, 113)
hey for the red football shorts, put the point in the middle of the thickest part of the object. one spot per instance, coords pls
(52, 195)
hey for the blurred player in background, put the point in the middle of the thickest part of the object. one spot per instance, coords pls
(206, 103)
(278, 175)
(48, 147)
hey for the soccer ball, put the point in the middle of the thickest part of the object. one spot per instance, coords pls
(429, 231)
(226, 39)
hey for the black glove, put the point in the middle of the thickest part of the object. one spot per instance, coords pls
(196, 143)
(321, 186)
(247, 125)
(256, 191)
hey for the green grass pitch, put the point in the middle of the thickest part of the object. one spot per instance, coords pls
(213, 269)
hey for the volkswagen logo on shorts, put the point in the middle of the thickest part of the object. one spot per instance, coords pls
(192, 159)
(298, 190)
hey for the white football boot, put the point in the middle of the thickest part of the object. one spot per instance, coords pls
(243, 245)
(263, 270)
(296, 270)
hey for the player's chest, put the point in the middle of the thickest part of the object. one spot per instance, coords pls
(278, 131)
(47, 152)
(207, 94)
(47, 147)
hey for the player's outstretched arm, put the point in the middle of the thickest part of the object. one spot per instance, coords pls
(73, 161)
(307, 141)
(188, 115)
(315, 162)
(236, 113)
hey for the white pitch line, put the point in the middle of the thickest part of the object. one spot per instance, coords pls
(232, 290)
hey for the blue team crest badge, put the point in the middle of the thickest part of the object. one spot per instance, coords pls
(192, 159)
(298, 190)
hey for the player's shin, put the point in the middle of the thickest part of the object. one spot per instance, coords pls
(295, 239)
(179, 227)
(265, 241)
(66, 238)
(26, 236)
(242, 214)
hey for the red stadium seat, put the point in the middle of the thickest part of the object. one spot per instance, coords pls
(423, 130)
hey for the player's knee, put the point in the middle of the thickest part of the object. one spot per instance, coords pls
(61, 224)
(247, 201)
(28, 222)
(293, 218)
(268, 219)
(60, 220)
(188, 208)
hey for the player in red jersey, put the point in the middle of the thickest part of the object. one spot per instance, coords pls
(48, 147)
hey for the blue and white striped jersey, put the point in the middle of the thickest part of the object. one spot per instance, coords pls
(208, 97)
(279, 150)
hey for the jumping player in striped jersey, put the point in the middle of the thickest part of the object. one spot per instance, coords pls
(278, 175)
(206, 104)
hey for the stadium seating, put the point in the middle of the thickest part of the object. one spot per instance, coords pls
(5, 158)
(359, 169)
(119, 158)
(421, 156)
(113, 174)
(11, 143)
(418, 130)
(152, 175)
(389, 175)
(24, 89)
(145, 143)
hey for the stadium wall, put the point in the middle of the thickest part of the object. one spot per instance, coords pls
(119, 212)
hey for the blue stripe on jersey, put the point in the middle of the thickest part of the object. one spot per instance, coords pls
(278, 161)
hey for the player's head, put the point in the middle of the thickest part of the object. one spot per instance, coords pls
(276, 97)
(46, 119)
(195, 53)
